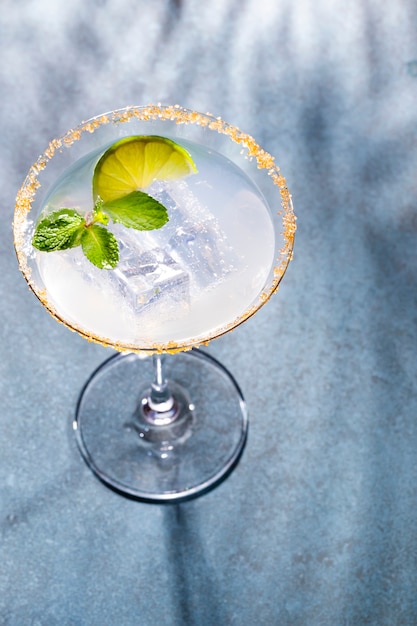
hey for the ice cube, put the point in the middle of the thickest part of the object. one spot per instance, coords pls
(197, 249)
(193, 236)
(150, 276)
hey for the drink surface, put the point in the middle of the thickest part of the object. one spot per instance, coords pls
(182, 283)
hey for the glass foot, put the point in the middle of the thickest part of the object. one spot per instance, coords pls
(168, 455)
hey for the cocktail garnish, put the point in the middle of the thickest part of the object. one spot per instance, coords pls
(135, 162)
(121, 174)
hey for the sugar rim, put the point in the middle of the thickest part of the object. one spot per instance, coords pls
(179, 115)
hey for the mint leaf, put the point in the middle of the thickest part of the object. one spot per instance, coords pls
(58, 231)
(100, 247)
(137, 210)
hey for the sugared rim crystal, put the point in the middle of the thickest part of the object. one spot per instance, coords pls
(179, 115)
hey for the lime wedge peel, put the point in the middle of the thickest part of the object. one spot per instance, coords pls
(133, 163)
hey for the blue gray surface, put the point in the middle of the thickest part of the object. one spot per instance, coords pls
(317, 524)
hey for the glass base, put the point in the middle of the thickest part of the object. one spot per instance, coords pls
(167, 456)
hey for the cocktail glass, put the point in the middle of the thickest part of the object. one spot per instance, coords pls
(161, 420)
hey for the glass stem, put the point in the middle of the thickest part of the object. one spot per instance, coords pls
(164, 412)
(160, 398)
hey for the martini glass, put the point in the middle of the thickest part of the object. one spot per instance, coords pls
(161, 420)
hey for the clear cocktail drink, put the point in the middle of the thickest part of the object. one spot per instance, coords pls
(219, 257)
(180, 283)
(152, 429)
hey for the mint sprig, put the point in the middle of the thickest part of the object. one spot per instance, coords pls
(68, 228)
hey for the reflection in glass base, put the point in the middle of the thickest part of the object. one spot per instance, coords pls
(153, 459)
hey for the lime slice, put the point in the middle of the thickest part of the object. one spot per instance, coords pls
(135, 162)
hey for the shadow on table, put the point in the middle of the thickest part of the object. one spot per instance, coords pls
(196, 596)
